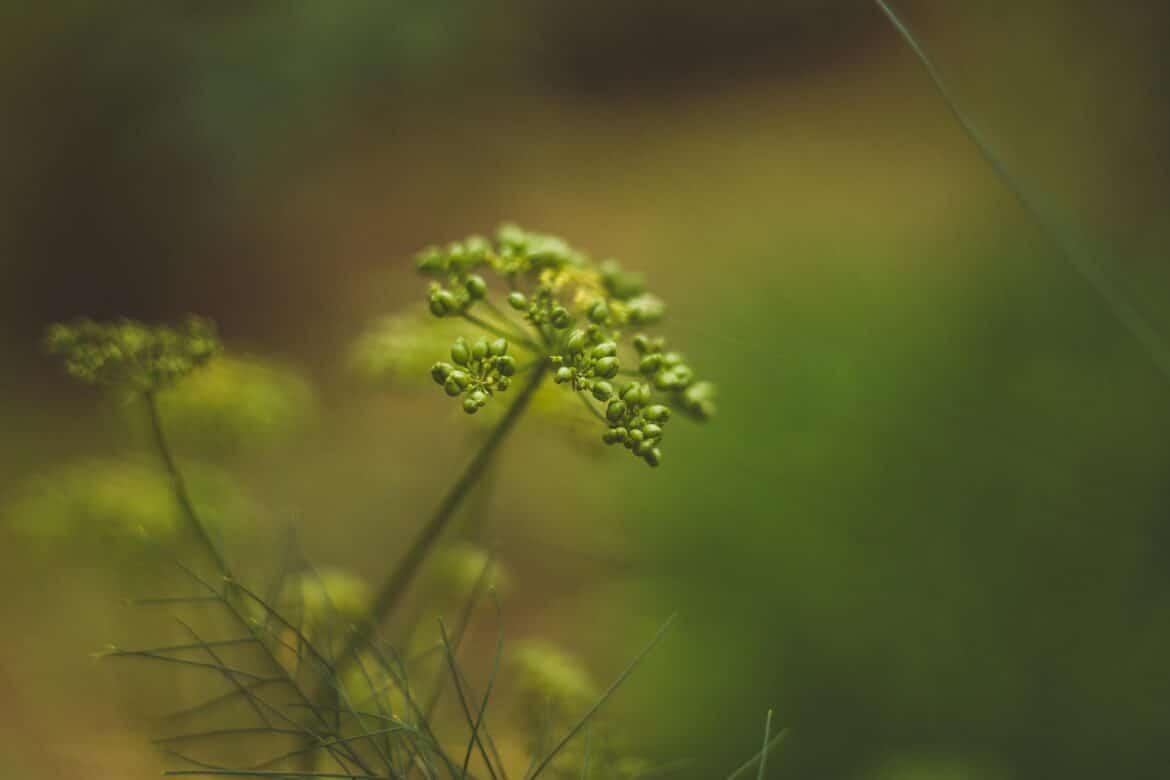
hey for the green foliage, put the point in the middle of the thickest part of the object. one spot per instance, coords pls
(235, 403)
(130, 355)
(576, 320)
(120, 503)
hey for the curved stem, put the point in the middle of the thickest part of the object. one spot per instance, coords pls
(395, 586)
(180, 486)
(589, 405)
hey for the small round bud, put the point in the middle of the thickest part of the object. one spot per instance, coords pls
(479, 397)
(650, 363)
(641, 343)
(576, 342)
(506, 365)
(440, 371)
(599, 311)
(622, 434)
(636, 435)
(605, 349)
(634, 393)
(657, 413)
(615, 411)
(498, 347)
(610, 436)
(652, 430)
(644, 447)
(602, 391)
(451, 387)
(563, 374)
(607, 367)
(671, 359)
(476, 286)
(653, 457)
(683, 375)
(460, 378)
(559, 317)
(479, 349)
(470, 406)
(503, 383)
(665, 380)
(459, 352)
(518, 301)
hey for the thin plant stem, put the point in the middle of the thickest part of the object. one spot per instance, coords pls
(395, 586)
(518, 338)
(186, 506)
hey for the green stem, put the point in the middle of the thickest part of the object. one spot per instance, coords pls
(589, 405)
(395, 586)
(490, 328)
(180, 486)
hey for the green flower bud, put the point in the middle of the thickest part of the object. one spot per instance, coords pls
(518, 301)
(605, 349)
(615, 411)
(644, 447)
(477, 396)
(645, 308)
(440, 371)
(563, 374)
(448, 300)
(651, 430)
(470, 406)
(650, 363)
(610, 436)
(506, 365)
(476, 286)
(503, 383)
(628, 387)
(665, 380)
(459, 352)
(683, 375)
(559, 317)
(636, 435)
(607, 367)
(653, 457)
(452, 387)
(671, 359)
(602, 391)
(621, 433)
(641, 343)
(599, 312)
(576, 342)
(498, 347)
(460, 378)
(429, 260)
(479, 349)
(634, 393)
(437, 308)
(657, 413)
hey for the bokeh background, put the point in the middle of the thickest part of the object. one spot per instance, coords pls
(931, 525)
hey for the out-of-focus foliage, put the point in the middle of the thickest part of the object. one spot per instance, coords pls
(236, 403)
(402, 347)
(94, 506)
(455, 571)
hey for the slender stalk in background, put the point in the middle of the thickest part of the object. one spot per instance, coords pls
(179, 486)
(1118, 302)
(390, 594)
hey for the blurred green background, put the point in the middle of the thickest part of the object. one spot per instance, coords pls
(930, 526)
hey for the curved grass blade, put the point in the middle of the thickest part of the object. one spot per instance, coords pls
(621, 678)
